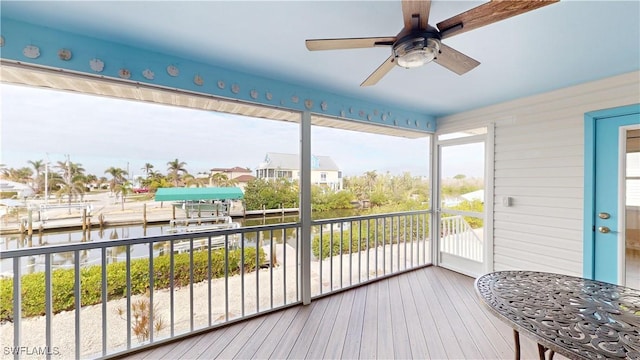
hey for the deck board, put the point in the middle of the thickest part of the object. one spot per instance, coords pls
(309, 331)
(335, 344)
(279, 331)
(325, 329)
(230, 349)
(427, 313)
(417, 342)
(370, 323)
(288, 340)
(250, 348)
(437, 302)
(400, 334)
(385, 333)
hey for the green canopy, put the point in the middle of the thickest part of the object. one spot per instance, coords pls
(206, 193)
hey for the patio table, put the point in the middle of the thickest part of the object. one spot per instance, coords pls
(578, 318)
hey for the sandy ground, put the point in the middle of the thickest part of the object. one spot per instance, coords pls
(355, 268)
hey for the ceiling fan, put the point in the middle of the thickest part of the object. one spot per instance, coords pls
(418, 43)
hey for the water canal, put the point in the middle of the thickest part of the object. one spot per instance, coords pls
(118, 253)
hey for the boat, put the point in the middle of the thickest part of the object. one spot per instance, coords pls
(196, 225)
(203, 208)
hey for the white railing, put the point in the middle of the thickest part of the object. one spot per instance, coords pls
(128, 294)
(460, 239)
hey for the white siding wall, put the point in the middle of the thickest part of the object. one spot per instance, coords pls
(539, 162)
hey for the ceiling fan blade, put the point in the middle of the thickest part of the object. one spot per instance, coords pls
(486, 14)
(416, 7)
(349, 43)
(454, 60)
(380, 72)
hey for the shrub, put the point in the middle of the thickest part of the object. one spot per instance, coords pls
(374, 232)
(141, 314)
(63, 280)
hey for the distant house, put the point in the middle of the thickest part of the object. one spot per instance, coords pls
(324, 170)
(241, 175)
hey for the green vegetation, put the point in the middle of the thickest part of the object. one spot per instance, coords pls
(33, 290)
(472, 206)
(271, 194)
(354, 238)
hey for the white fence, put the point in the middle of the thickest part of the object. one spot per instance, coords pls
(460, 239)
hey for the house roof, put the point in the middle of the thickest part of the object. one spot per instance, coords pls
(244, 178)
(206, 193)
(292, 162)
(233, 169)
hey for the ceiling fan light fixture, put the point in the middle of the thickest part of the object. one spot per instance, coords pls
(415, 52)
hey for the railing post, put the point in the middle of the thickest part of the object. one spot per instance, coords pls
(305, 206)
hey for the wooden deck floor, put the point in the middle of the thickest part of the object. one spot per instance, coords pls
(432, 313)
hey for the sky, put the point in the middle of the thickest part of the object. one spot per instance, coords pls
(100, 132)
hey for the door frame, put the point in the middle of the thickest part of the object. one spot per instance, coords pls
(489, 156)
(590, 119)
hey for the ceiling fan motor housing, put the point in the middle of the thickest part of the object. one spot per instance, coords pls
(417, 48)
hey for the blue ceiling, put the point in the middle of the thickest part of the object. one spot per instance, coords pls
(559, 45)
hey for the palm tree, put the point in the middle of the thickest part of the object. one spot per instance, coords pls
(174, 168)
(122, 189)
(71, 186)
(147, 168)
(222, 180)
(370, 179)
(117, 177)
(38, 166)
(219, 178)
(91, 180)
(21, 175)
(69, 169)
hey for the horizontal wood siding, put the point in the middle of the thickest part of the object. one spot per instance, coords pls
(539, 162)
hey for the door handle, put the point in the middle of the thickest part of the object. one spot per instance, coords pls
(604, 229)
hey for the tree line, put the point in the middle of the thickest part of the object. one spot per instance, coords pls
(69, 179)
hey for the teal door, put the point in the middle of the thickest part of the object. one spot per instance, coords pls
(610, 246)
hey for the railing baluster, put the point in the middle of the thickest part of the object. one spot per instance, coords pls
(375, 236)
(171, 287)
(128, 283)
(368, 245)
(414, 239)
(405, 238)
(331, 257)
(384, 247)
(284, 272)
(103, 263)
(321, 259)
(242, 274)
(151, 290)
(350, 253)
(425, 233)
(48, 306)
(360, 251)
(191, 325)
(17, 306)
(391, 236)
(298, 262)
(209, 292)
(257, 272)
(77, 299)
(226, 278)
(341, 258)
(272, 253)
